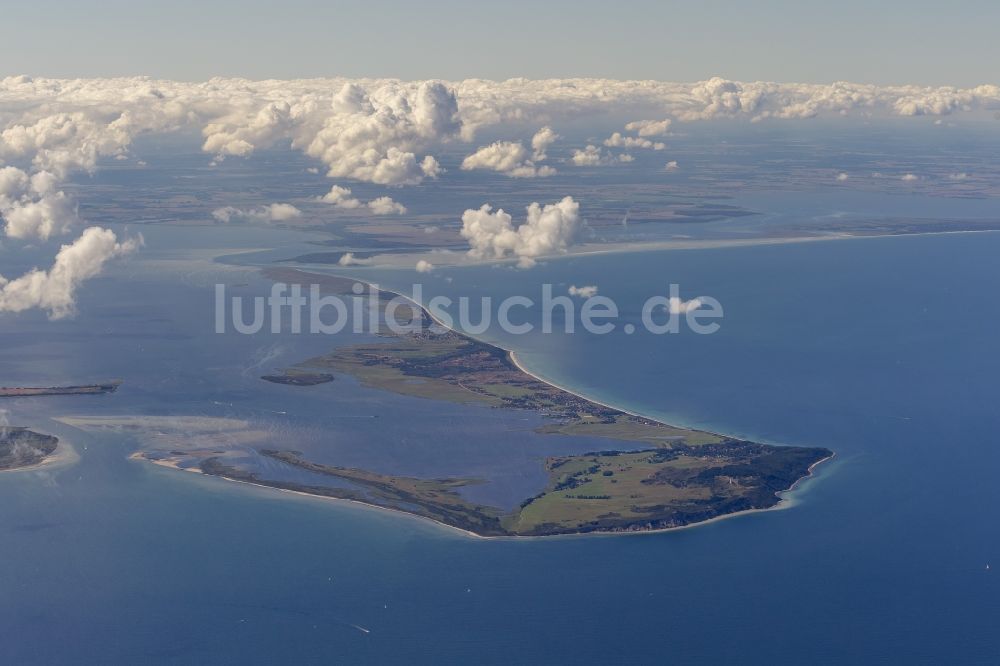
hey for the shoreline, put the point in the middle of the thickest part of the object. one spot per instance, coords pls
(725, 243)
(394, 261)
(782, 504)
(170, 464)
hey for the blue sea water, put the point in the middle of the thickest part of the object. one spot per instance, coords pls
(883, 350)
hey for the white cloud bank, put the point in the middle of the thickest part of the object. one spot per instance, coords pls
(383, 131)
(54, 290)
(379, 130)
(546, 230)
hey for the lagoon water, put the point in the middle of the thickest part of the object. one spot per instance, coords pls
(884, 350)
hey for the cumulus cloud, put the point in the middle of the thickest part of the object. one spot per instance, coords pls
(341, 198)
(675, 305)
(51, 128)
(958, 176)
(424, 266)
(32, 207)
(589, 156)
(649, 127)
(583, 292)
(909, 177)
(719, 97)
(54, 290)
(240, 132)
(504, 156)
(348, 259)
(430, 168)
(365, 131)
(842, 176)
(276, 212)
(372, 135)
(541, 141)
(617, 140)
(594, 156)
(672, 165)
(513, 158)
(546, 230)
(386, 206)
(62, 141)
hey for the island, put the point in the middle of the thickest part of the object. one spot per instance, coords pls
(650, 476)
(84, 389)
(293, 377)
(20, 447)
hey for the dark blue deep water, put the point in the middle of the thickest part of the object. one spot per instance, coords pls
(884, 350)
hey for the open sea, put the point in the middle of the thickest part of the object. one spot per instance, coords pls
(883, 349)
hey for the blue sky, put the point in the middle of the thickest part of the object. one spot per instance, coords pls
(805, 41)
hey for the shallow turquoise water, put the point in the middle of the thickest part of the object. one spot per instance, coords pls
(883, 350)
